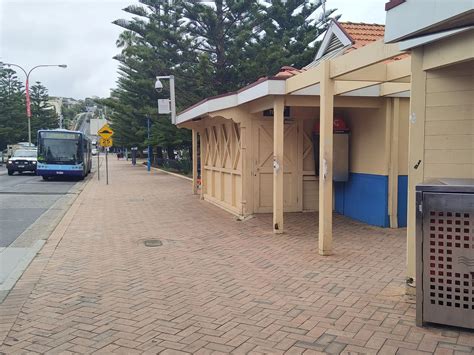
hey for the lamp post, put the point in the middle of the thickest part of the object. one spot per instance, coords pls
(159, 88)
(27, 89)
(170, 105)
(148, 164)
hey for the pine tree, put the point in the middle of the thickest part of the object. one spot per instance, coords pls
(210, 49)
(153, 43)
(13, 121)
(43, 115)
(221, 35)
(288, 35)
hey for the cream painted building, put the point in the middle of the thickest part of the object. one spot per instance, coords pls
(269, 146)
(441, 130)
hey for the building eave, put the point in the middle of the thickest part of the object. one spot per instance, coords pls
(257, 90)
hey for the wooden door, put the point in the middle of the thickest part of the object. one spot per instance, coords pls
(263, 174)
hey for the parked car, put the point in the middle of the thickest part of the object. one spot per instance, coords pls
(22, 160)
(94, 151)
(21, 145)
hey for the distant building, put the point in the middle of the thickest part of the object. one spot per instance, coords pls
(95, 125)
(57, 103)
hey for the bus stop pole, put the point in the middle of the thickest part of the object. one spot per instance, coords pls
(106, 166)
(98, 165)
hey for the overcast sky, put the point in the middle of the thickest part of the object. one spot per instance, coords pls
(79, 33)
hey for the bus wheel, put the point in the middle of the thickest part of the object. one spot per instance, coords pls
(45, 178)
(10, 172)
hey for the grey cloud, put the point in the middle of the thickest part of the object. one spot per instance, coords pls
(77, 33)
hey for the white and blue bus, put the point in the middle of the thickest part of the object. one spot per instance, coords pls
(63, 153)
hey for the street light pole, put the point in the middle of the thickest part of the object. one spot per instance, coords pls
(148, 165)
(159, 87)
(27, 89)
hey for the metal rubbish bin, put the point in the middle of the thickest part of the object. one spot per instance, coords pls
(445, 252)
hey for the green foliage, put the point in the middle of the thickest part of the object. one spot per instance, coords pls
(43, 115)
(211, 49)
(288, 30)
(13, 122)
(13, 119)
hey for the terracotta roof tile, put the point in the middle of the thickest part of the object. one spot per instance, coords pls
(287, 71)
(362, 33)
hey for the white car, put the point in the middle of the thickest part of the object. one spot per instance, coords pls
(94, 151)
(22, 160)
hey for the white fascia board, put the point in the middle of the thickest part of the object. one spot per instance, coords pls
(310, 90)
(420, 41)
(253, 92)
(192, 113)
(370, 91)
(265, 88)
(221, 103)
(400, 94)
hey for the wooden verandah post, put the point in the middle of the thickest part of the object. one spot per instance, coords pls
(195, 162)
(278, 142)
(326, 160)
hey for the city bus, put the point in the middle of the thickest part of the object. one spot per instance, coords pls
(63, 153)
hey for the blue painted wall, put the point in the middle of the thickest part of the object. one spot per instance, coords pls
(402, 200)
(364, 198)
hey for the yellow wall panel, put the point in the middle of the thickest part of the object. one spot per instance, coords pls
(367, 141)
(442, 113)
(238, 189)
(450, 84)
(265, 198)
(228, 189)
(310, 194)
(465, 141)
(451, 127)
(403, 137)
(449, 98)
(449, 156)
(449, 170)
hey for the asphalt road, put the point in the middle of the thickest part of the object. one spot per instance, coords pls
(23, 199)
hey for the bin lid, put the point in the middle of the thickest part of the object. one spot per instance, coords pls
(447, 185)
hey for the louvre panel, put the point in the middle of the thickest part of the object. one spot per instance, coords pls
(334, 44)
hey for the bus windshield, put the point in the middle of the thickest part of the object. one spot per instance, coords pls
(57, 148)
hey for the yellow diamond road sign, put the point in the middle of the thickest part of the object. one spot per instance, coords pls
(105, 142)
(105, 131)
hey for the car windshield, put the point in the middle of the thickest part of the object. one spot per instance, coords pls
(25, 153)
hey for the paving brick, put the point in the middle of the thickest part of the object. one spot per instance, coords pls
(215, 285)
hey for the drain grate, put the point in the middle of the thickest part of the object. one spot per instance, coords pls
(153, 243)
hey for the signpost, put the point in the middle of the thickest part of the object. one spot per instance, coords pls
(106, 141)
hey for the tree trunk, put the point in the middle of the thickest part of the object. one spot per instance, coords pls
(220, 47)
(190, 149)
(159, 152)
(170, 151)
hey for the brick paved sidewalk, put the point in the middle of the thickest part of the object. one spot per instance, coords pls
(216, 285)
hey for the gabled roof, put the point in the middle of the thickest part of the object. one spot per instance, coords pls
(342, 37)
(363, 33)
(338, 40)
